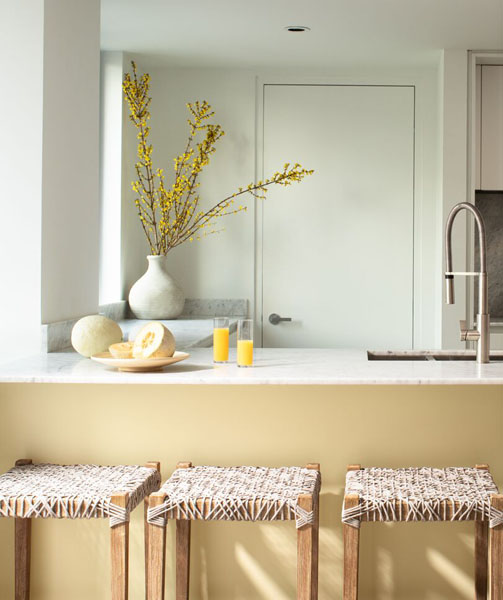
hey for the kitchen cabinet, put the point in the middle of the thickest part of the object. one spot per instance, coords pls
(490, 117)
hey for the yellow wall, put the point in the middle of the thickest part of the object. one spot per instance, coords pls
(387, 426)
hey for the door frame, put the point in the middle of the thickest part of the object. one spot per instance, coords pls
(417, 192)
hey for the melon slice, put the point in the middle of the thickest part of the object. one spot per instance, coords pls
(154, 340)
(122, 350)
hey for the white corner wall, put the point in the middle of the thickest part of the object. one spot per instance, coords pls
(111, 124)
(21, 47)
(70, 175)
(221, 265)
(49, 167)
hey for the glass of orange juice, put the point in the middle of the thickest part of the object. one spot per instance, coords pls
(221, 340)
(245, 343)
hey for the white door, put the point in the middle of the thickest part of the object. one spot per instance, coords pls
(338, 247)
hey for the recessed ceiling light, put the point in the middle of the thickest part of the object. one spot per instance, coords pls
(297, 28)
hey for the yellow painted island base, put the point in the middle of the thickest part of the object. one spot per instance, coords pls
(259, 425)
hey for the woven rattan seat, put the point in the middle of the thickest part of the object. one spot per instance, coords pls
(233, 494)
(74, 491)
(421, 494)
(426, 494)
(237, 494)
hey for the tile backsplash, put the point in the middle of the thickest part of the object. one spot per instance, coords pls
(490, 205)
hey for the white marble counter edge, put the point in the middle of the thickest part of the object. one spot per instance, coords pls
(272, 367)
(340, 381)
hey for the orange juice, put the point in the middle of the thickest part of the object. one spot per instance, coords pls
(221, 344)
(245, 353)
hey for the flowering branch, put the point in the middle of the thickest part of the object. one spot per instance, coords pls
(171, 216)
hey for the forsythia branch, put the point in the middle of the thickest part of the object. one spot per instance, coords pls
(170, 215)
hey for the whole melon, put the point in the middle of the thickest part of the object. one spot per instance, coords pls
(94, 334)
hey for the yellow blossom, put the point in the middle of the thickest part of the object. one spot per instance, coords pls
(171, 216)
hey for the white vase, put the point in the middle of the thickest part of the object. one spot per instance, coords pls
(156, 295)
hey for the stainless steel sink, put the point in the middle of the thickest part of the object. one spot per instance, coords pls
(389, 355)
(429, 355)
(493, 357)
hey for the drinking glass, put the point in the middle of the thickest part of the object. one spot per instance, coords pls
(221, 340)
(245, 343)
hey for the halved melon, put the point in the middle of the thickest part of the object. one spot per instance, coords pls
(154, 340)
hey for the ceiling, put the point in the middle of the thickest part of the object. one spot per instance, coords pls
(250, 33)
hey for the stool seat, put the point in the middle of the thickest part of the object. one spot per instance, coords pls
(74, 491)
(241, 493)
(420, 494)
(237, 494)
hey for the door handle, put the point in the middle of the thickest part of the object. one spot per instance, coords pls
(274, 319)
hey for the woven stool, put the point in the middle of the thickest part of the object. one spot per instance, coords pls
(233, 494)
(31, 491)
(426, 494)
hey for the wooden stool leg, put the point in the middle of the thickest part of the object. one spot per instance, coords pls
(307, 554)
(481, 559)
(314, 571)
(146, 532)
(496, 553)
(183, 551)
(120, 553)
(22, 558)
(182, 559)
(351, 537)
(156, 554)
(315, 538)
(481, 553)
(150, 465)
(22, 548)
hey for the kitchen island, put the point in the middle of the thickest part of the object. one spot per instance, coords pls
(293, 407)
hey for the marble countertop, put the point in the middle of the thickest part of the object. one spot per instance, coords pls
(272, 366)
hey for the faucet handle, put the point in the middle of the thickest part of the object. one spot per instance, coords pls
(468, 335)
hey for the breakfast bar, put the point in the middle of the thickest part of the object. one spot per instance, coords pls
(293, 407)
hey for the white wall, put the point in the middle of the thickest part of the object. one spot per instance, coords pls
(454, 98)
(21, 48)
(223, 265)
(70, 184)
(111, 125)
(220, 265)
(428, 244)
(49, 166)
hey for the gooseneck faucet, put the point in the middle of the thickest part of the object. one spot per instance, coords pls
(480, 333)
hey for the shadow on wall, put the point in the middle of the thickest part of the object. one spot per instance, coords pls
(260, 559)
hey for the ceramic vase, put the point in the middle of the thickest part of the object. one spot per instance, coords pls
(156, 295)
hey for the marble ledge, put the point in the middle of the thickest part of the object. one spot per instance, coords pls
(272, 366)
(189, 333)
(56, 336)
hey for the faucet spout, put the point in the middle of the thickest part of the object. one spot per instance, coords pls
(449, 289)
(481, 334)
